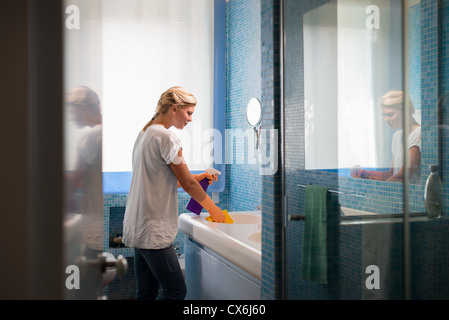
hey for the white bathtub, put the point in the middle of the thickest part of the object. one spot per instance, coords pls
(239, 243)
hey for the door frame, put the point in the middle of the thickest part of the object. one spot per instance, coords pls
(45, 125)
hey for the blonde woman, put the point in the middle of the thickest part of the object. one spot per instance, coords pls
(151, 218)
(392, 104)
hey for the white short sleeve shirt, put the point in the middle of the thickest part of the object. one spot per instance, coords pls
(151, 215)
(414, 140)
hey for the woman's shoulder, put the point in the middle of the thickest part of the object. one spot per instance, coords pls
(414, 137)
(161, 133)
(416, 130)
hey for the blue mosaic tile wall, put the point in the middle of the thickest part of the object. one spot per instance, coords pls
(243, 82)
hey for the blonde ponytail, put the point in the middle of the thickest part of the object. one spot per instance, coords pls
(150, 122)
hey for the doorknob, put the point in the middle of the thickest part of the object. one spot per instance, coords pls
(108, 262)
(105, 263)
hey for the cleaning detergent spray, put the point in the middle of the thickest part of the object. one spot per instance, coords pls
(433, 193)
(193, 205)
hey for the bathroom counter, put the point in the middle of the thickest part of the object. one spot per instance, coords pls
(239, 243)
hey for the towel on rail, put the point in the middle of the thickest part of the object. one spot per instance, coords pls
(314, 254)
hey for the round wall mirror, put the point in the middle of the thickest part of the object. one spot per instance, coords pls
(254, 112)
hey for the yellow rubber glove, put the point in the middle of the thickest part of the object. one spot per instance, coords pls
(228, 218)
(201, 176)
(214, 211)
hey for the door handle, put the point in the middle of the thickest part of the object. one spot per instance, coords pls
(104, 262)
(120, 264)
(296, 217)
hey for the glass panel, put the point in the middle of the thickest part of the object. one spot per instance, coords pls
(119, 56)
(344, 131)
(83, 146)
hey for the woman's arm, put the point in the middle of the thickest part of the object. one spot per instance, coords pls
(186, 179)
(194, 189)
(372, 175)
(201, 176)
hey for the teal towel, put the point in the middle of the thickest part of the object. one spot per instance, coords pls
(314, 254)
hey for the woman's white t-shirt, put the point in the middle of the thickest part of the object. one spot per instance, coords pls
(414, 140)
(151, 215)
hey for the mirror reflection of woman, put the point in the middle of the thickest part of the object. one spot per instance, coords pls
(392, 104)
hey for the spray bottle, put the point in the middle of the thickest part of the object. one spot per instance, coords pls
(433, 193)
(193, 205)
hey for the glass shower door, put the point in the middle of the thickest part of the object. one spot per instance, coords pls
(358, 76)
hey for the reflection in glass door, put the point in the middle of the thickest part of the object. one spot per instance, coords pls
(358, 77)
(84, 231)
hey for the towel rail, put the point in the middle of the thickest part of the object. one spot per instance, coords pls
(333, 191)
(338, 192)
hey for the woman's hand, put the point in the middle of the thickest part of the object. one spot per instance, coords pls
(200, 177)
(188, 182)
(359, 173)
(217, 214)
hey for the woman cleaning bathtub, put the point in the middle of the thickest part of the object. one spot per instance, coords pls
(150, 224)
